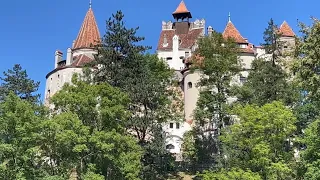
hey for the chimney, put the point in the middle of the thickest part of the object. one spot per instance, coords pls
(69, 57)
(210, 30)
(73, 42)
(175, 43)
(58, 58)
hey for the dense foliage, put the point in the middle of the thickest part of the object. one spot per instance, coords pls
(108, 123)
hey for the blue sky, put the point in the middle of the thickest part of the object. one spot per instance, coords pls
(31, 31)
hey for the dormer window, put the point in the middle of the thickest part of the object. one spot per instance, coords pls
(165, 41)
(243, 79)
(243, 46)
(186, 54)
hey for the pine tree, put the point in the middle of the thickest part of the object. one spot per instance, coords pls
(119, 56)
(147, 80)
(16, 80)
(272, 43)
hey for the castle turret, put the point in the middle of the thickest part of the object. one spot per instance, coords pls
(80, 54)
(183, 14)
(287, 36)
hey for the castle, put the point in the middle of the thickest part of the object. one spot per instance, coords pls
(177, 43)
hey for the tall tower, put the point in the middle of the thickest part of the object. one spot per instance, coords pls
(177, 42)
(81, 52)
(287, 36)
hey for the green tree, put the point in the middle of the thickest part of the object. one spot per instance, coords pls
(306, 70)
(232, 174)
(272, 43)
(310, 156)
(16, 80)
(150, 85)
(260, 141)
(103, 142)
(268, 80)
(19, 126)
(216, 59)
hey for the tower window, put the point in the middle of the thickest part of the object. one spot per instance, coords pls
(243, 79)
(170, 146)
(58, 75)
(171, 125)
(177, 125)
(189, 85)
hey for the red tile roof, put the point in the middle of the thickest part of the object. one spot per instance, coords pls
(231, 32)
(286, 30)
(187, 40)
(182, 8)
(89, 32)
(81, 60)
(78, 62)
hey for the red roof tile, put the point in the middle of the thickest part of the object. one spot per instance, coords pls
(286, 30)
(81, 60)
(182, 8)
(231, 32)
(89, 32)
(187, 40)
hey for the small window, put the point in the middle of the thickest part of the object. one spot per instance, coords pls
(285, 47)
(171, 125)
(186, 54)
(177, 125)
(189, 85)
(58, 75)
(243, 79)
(169, 58)
(170, 146)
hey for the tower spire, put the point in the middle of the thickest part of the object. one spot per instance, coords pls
(90, 3)
(229, 17)
(89, 32)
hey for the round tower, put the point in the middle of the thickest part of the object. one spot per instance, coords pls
(81, 53)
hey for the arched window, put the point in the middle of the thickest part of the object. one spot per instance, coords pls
(189, 85)
(170, 146)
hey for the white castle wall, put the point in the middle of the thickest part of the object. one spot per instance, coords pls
(56, 80)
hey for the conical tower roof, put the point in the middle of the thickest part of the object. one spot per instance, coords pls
(182, 8)
(182, 11)
(286, 30)
(232, 32)
(89, 33)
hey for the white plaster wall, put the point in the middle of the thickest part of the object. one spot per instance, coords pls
(87, 52)
(246, 60)
(176, 63)
(174, 136)
(56, 80)
(191, 94)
